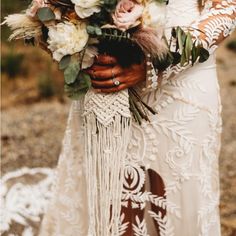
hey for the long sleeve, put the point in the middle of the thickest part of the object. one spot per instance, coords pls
(217, 21)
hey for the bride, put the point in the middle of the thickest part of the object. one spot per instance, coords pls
(171, 182)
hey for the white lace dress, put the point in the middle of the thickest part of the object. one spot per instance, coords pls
(171, 184)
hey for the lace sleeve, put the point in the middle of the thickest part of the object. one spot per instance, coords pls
(217, 21)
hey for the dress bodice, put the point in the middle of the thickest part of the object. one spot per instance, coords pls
(181, 12)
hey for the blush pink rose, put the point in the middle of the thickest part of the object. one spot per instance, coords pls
(127, 14)
(35, 5)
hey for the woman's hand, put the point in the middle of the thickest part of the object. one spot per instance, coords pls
(108, 76)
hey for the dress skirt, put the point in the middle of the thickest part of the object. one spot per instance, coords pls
(171, 182)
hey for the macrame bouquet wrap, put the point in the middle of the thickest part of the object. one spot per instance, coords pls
(107, 123)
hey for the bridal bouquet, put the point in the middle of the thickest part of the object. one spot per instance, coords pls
(74, 32)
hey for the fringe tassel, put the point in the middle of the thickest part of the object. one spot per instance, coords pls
(105, 154)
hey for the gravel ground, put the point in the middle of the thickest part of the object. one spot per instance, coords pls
(31, 136)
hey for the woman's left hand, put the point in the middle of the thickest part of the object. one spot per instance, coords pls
(108, 76)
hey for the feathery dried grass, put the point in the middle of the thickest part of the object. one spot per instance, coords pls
(151, 42)
(23, 26)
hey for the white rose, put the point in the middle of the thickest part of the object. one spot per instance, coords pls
(67, 39)
(154, 14)
(85, 8)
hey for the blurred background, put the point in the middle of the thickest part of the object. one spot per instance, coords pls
(33, 118)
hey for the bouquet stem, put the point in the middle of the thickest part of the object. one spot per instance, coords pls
(138, 107)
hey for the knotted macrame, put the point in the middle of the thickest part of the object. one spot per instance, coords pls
(107, 122)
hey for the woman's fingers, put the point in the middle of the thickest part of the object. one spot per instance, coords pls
(93, 70)
(102, 59)
(103, 73)
(109, 83)
(96, 67)
(113, 89)
(104, 77)
(102, 84)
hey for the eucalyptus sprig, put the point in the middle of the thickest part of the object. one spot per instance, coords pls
(76, 81)
(187, 50)
(110, 34)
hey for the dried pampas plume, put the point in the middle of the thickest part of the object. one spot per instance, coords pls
(151, 42)
(22, 26)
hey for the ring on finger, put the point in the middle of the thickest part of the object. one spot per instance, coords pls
(115, 82)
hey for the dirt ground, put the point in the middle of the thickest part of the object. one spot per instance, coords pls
(32, 133)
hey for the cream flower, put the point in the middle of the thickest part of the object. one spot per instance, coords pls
(127, 14)
(154, 14)
(85, 8)
(67, 39)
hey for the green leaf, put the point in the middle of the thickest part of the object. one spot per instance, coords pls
(45, 14)
(204, 55)
(90, 29)
(65, 61)
(183, 59)
(85, 80)
(195, 53)
(73, 92)
(80, 87)
(98, 31)
(188, 47)
(180, 39)
(71, 72)
(184, 37)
